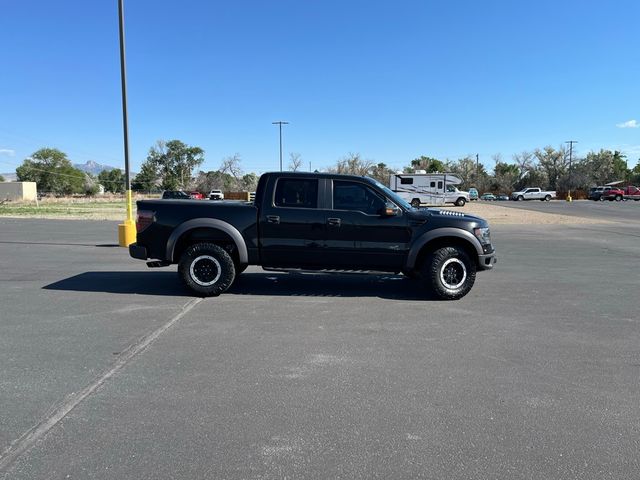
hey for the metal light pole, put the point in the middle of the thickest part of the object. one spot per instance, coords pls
(126, 230)
(280, 123)
(570, 142)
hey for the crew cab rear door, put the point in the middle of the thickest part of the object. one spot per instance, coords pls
(291, 225)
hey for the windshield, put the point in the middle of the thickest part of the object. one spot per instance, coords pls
(392, 195)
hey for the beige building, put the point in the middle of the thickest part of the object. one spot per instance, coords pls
(18, 191)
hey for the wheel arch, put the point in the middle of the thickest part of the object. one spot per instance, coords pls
(443, 237)
(208, 230)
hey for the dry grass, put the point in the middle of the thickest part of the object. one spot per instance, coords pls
(112, 207)
(496, 214)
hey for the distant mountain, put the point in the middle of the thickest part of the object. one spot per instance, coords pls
(9, 177)
(94, 168)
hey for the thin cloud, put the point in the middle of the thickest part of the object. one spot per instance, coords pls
(629, 124)
(7, 152)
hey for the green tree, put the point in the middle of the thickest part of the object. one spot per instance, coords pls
(605, 166)
(505, 176)
(554, 163)
(53, 172)
(112, 180)
(174, 162)
(2, 179)
(147, 180)
(429, 164)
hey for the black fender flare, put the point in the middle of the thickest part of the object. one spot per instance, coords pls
(216, 224)
(440, 233)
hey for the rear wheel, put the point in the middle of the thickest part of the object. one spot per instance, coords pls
(207, 269)
(450, 272)
(415, 203)
(547, 198)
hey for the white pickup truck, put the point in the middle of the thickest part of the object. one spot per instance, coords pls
(534, 193)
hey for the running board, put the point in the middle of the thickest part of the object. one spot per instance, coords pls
(333, 270)
(158, 264)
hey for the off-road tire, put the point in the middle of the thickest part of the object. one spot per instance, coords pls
(206, 269)
(449, 272)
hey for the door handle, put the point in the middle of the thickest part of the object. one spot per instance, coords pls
(334, 222)
(273, 219)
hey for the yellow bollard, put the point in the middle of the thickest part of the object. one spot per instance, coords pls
(127, 229)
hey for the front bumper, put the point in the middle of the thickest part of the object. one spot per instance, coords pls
(138, 251)
(486, 262)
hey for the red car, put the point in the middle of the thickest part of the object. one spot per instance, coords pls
(612, 193)
(631, 193)
(196, 195)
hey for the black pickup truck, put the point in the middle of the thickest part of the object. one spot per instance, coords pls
(313, 221)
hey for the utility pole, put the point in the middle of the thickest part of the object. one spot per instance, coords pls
(280, 123)
(126, 230)
(570, 142)
(309, 165)
(477, 170)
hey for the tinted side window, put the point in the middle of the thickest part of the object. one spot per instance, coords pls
(355, 196)
(406, 181)
(433, 184)
(297, 193)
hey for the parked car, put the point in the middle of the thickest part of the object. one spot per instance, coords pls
(631, 193)
(196, 195)
(502, 197)
(488, 196)
(314, 221)
(216, 195)
(473, 194)
(175, 195)
(533, 193)
(612, 193)
(595, 193)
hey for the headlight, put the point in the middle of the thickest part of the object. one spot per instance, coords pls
(483, 235)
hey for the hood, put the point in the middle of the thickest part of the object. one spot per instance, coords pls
(444, 214)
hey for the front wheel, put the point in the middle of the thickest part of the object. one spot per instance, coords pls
(618, 198)
(415, 203)
(207, 269)
(520, 198)
(450, 272)
(460, 202)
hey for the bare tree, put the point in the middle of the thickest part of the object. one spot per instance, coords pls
(353, 164)
(231, 165)
(295, 161)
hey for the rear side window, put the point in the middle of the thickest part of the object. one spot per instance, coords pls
(406, 181)
(296, 193)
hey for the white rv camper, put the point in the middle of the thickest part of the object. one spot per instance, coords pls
(428, 188)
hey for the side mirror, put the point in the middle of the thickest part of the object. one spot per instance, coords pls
(390, 211)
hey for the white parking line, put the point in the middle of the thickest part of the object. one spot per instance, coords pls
(35, 433)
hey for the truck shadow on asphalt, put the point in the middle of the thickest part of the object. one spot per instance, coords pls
(277, 284)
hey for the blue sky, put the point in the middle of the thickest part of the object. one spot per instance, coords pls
(391, 80)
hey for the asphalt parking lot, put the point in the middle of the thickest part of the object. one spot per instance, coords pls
(111, 370)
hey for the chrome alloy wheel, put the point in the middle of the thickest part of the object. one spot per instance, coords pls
(205, 270)
(453, 273)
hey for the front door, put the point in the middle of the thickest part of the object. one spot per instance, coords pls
(358, 236)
